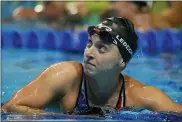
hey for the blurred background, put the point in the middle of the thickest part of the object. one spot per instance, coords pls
(36, 34)
(34, 24)
(61, 14)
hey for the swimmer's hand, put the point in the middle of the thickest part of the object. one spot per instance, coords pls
(97, 111)
(92, 112)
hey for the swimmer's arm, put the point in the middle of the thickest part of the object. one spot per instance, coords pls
(29, 99)
(156, 100)
(41, 91)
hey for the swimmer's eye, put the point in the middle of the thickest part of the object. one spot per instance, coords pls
(102, 48)
(89, 44)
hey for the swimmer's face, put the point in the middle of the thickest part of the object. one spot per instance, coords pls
(101, 57)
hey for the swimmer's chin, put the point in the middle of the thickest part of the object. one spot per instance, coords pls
(89, 72)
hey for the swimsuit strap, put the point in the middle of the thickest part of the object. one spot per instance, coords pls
(81, 101)
(121, 101)
(85, 87)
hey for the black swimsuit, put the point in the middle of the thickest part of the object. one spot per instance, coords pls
(82, 102)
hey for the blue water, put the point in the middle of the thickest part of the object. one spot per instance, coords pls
(164, 71)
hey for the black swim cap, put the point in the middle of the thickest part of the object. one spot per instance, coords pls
(119, 31)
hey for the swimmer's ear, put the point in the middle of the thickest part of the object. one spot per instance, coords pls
(122, 64)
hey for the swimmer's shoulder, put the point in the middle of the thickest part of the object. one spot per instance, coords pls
(132, 81)
(138, 91)
(63, 76)
(68, 71)
(133, 86)
(133, 89)
(72, 68)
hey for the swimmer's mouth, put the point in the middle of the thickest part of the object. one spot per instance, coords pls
(86, 62)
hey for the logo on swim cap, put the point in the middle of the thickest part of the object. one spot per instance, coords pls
(101, 25)
(115, 42)
(127, 47)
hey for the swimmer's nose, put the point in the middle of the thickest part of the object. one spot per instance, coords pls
(89, 53)
(89, 56)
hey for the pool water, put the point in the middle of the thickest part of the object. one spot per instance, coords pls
(164, 71)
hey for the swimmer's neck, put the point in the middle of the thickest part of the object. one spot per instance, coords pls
(100, 89)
